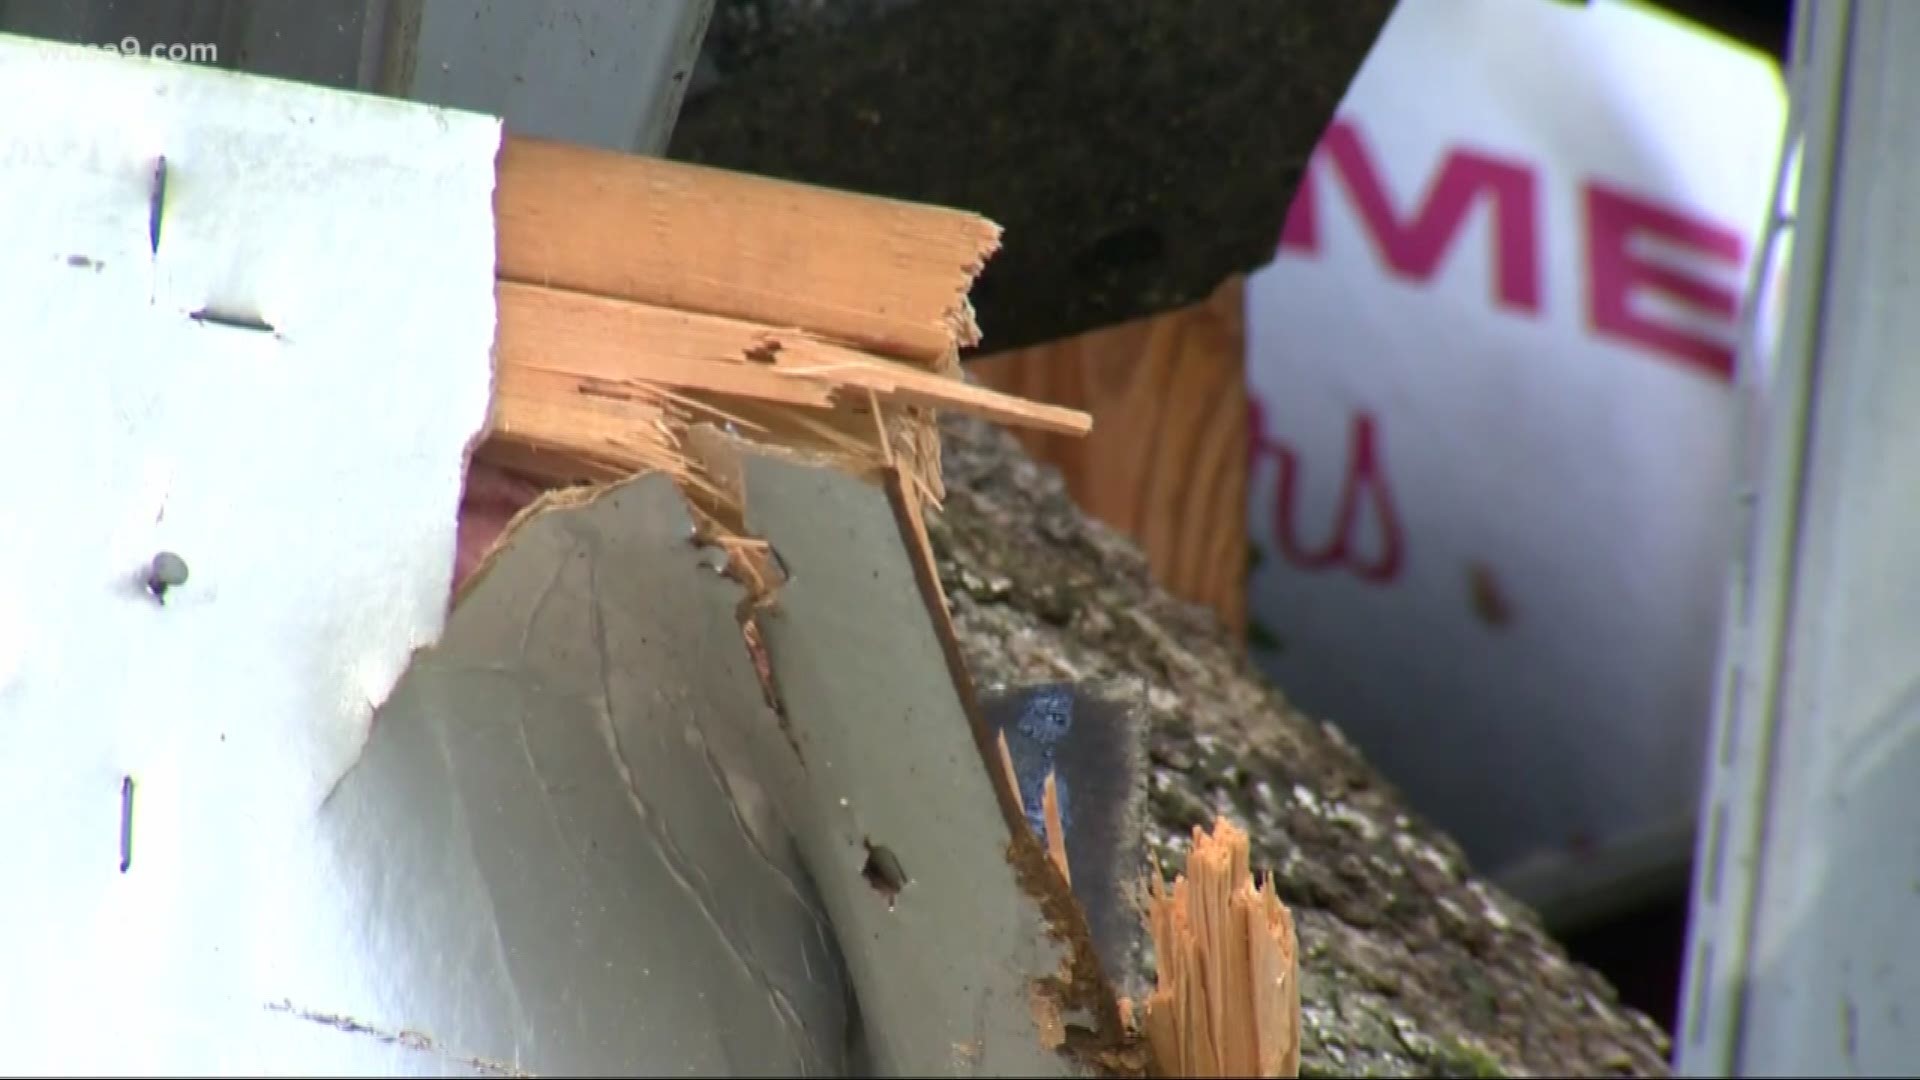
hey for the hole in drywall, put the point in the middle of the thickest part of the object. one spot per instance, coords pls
(883, 872)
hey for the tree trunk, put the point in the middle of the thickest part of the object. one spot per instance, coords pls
(1411, 965)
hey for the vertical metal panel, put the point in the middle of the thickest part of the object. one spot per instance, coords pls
(605, 72)
(1804, 961)
(608, 73)
(317, 41)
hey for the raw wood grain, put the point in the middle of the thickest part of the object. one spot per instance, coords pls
(610, 380)
(639, 297)
(887, 277)
(1227, 1001)
(1167, 460)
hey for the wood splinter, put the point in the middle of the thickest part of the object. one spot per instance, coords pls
(1228, 996)
(1056, 831)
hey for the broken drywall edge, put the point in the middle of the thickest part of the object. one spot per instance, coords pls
(806, 772)
(565, 498)
(945, 951)
(1081, 984)
(195, 319)
(710, 481)
(560, 838)
(894, 761)
(720, 505)
(489, 853)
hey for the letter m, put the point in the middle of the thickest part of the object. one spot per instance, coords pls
(1413, 245)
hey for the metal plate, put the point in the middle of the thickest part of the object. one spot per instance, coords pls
(1803, 958)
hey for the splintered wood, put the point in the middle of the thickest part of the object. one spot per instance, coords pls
(640, 298)
(1228, 999)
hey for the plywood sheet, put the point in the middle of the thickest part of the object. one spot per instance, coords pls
(1167, 460)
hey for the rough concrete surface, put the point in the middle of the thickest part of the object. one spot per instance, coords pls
(1412, 965)
(1137, 152)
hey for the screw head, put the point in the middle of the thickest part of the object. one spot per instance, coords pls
(167, 571)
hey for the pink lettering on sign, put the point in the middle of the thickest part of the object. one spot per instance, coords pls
(1364, 488)
(1414, 245)
(1701, 275)
(1618, 274)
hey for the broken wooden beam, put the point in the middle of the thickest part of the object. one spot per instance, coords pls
(887, 276)
(639, 296)
(1167, 462)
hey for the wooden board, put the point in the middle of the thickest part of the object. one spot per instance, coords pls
(1166, 462)
(639, 296)
(884, 276)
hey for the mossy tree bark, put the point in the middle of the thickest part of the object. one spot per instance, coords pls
(1411, 964)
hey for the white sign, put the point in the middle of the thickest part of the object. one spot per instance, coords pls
(1492, 370)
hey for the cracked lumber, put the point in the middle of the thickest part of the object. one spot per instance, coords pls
(1410, 964)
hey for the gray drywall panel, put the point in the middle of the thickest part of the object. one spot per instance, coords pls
(886, 759)
(554, 840)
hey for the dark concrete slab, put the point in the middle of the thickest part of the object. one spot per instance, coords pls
(1137, 151)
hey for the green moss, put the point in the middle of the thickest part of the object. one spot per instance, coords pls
(1461, 1059)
